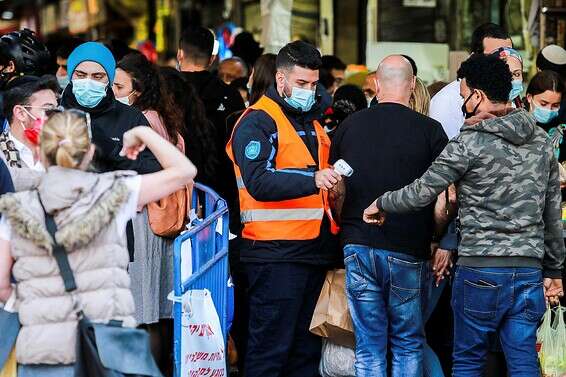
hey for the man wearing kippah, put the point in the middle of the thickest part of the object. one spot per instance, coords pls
(90, 69)
(552, 58)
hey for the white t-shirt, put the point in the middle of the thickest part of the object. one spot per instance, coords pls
(126, 213)
(446, 108)
(26, 155)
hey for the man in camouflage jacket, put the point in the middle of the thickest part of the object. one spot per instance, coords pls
(509, 205)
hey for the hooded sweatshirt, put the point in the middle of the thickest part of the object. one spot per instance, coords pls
(508, 193)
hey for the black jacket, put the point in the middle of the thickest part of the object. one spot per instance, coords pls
(267, 183)
(220, 101)
(110, 119)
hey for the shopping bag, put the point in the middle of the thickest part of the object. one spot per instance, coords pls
(10, 368)
(331, 318)
(202, 341)
(9, 329)
(551, 343)
(336, 360)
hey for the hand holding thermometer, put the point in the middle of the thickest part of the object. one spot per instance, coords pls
(342, 168)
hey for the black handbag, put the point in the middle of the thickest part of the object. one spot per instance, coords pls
(103, 350)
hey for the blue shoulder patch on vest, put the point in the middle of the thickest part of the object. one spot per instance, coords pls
(252, 149)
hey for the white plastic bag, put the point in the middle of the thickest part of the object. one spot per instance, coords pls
(202, 342)
(336, 361)
(551, 338)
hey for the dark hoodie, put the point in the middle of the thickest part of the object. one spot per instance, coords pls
(110, 119)
(265, 182)
(508, 194)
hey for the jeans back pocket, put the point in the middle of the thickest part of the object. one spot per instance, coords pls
(481, 299)
(535, 306)
(405, 279)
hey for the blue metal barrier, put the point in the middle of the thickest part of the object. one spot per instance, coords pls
(209, 262)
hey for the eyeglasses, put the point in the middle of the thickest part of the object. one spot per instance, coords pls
(48, 110)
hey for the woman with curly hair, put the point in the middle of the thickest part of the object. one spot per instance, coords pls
(139, 83)
(198, 131)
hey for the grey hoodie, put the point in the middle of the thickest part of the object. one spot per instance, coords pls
(508, 194)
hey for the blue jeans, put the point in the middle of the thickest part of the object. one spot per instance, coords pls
(508, 302)
(385, 296)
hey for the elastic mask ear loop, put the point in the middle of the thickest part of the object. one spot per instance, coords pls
(33, 117)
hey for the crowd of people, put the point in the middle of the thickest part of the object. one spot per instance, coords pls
(453, 184)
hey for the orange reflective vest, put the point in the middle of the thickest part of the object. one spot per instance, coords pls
(294, 219)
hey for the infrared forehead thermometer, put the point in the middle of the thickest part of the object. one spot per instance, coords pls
(342, 168)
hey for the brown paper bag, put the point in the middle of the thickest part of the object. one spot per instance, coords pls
(331, 318)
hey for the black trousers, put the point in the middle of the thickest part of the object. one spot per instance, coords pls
(282, 298)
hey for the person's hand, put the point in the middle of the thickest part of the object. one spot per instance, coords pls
(326, 179)
(373, 215)
(132, 143)
(553, 290)
(441, 264)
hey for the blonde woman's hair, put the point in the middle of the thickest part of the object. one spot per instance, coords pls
(65, 139)
(420, 98)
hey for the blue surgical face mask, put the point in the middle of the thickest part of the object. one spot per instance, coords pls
(544, 115)
(88, 92)
(516, 89)
(301, 99)
(63, 81)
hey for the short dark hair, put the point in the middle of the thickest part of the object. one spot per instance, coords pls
(20, 93)
(298, 53)
(347, 100)
(489, 74)
(487, 30)
(67, 46)
(330, 62)
(545, 80)
(197, 44)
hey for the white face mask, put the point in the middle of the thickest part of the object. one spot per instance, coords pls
(125, 100)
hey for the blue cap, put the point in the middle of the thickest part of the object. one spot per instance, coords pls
(93, 52)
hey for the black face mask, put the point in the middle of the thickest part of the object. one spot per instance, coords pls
(467, 114)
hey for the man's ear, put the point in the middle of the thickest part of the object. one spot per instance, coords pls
(11, 67)
(280, 79)
(18, 113)
(180, 55)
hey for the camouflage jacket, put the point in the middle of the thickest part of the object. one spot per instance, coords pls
(508, 193)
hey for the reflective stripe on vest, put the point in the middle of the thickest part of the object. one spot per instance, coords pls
(240, 183)
(281, 214)
(290, 219)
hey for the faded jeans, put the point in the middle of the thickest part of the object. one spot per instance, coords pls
(508, 302)
(385, 292)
